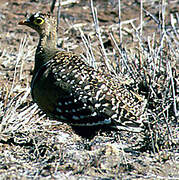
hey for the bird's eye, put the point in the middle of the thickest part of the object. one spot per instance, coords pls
(39, 21)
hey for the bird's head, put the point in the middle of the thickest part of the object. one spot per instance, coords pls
(42, 23)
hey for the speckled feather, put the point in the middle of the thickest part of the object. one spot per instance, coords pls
(66, 88)
(87, 97)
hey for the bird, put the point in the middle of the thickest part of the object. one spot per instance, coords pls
(68, 89)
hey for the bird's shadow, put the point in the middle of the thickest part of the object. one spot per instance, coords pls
(91, 131)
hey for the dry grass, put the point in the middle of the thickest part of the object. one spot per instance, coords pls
(34, 147)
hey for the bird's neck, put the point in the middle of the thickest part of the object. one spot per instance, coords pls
(46, 49)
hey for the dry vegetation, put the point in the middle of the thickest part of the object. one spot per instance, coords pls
(143, 51)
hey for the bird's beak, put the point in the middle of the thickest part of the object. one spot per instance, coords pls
(25, 22)
(22, 23)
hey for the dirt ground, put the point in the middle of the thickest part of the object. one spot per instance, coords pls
(34, 147)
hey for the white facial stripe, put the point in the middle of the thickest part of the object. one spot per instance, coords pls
(37, 14)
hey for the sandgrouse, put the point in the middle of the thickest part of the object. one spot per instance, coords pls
(68, 89)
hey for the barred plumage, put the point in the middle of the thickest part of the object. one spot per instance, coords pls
(66, 88)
